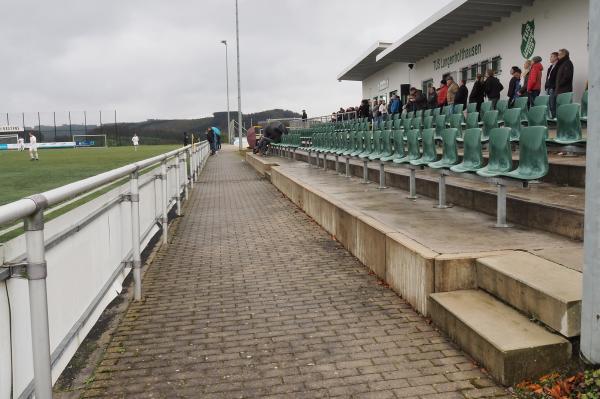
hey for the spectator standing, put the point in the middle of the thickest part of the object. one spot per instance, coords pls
(340, 114)
(462, 94)
(525, 77)
(493, 87)
(419, 99)
(395, 104)
(186, 139)
(564, 72)
(382, 110)
(534, 83)
(304, 116)
(452, 90)
(514, 86)
(363, 110)
(442, 93)
(431, 97)
(210, 137)
(550, 84)
(477, 92)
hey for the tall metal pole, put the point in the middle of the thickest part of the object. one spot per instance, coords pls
(227, 80)
(237, 45)
(70, 127)
(590, 306)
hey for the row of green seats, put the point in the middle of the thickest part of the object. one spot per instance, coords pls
(292, 140)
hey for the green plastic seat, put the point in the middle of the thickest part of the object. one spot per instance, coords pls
(447, 110)
(397, 124)
(568, 125)
(512, 120)
(406, 124)
(584, 106)
(428, 122)
(417, 123)
(471, 107)
(351, 143)
(449, 148)
(472, 157)
(490, 121)
(345, 144)
(472, 120)
(368, 145)
(456, 121)
(418, 114)
(561, 99)
(413, 153)
(436, 112)
(485, 107)
(458, 108)
(440, 125)
(533, 155)
(360, 143)
(429, 154)
(387, 150)
(377, 147)
(521, 103)
(396, 116)
(542, 100)
(426, 113)
(537, 116)
(501, 107)
(500, 158)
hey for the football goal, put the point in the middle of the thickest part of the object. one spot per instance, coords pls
(90, 141)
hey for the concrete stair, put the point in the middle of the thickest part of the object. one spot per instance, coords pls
(539, 288)
(503, 340)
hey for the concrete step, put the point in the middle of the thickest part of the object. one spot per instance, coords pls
(538, 287)
(504, 341)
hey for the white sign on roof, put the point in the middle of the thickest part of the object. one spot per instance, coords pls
(10, 129)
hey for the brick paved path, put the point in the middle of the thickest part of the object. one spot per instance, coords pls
(222, 318)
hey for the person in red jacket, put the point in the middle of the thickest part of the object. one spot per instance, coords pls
(534, 83)
(442, 93)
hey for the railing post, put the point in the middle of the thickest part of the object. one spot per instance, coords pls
(184, 177)
(190, 156)
(135, 235)
(177, 184)
(38, 300)
(165, 201)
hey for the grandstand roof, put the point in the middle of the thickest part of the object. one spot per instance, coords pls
(366, 65)
(455, 21)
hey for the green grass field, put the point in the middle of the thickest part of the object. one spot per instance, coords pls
(21, 177)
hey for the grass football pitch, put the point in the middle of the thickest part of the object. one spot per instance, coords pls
(21, 177)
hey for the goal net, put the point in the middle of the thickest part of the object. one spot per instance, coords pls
(90, 140)
(9, 138)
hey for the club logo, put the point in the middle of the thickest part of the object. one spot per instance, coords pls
(527, 39)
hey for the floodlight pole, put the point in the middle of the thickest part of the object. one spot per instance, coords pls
(227, 80)
(590, 306)
(237, 44)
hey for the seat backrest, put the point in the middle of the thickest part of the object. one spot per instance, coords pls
(501, 107)
(456, 121)
(533, 155)
(427, 122)
(472, 120)
(427, 113)
(568, 122)
(440, 124)
(447, 110)
(412, 138)
(458, 108)
(485, 107)
(396, 116)
(512, 120)
(407, 123)
(363, 141)
(541, 100)
(564, 98)
(537, 116)
(417, 123)
(436, 112)
(419, 114)
(490, 121)
(397, 124)
(377, 141)
(584, 104)
(472, 157)
(449, 148)
(500, 159)
(471, 107)
(398, 142)
(386, 142)
(521, 103)
(427, 138)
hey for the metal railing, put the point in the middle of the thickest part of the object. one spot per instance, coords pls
(176, 171)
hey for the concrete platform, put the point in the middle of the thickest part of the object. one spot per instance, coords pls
(541, 289)
(503, 340)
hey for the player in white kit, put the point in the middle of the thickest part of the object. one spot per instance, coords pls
(21, 144)
(33, 152)
(136, 141)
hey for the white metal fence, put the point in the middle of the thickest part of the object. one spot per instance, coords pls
(58, 277)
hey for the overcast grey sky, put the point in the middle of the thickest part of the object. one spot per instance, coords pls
(163, 59)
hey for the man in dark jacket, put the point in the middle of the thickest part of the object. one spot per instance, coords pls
(493, 87)
(514, 86)
(210, 137)
(564, 72)
(271, 134)
(550, 84)
(462, 94)
(477, 92)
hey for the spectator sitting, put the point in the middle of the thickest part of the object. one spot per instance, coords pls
(462, 94)
(395, 105)
(550, 84)
(514, 86)
(431, 97)
(477, 92)
(493, 87)
(534, 83)
(452, 90)
(564, 72)
(442, 93)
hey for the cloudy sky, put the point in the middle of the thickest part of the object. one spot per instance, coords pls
(163, 59)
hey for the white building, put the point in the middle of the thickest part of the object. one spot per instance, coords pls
(469, 36)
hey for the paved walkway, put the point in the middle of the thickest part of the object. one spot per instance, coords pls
(253, 299)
